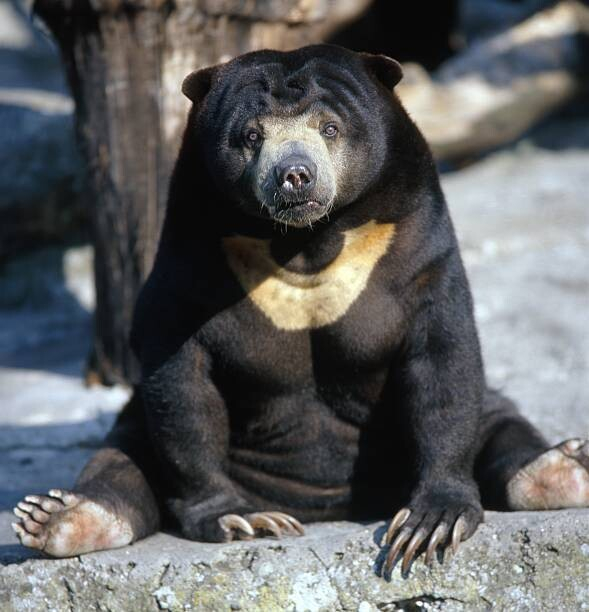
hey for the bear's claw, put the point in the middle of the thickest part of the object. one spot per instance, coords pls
(438, 536)
(231, 522)
(245, 527)
(458, 533)
(409, 539)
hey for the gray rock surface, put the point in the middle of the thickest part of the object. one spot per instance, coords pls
(523, 561)
(523, 220)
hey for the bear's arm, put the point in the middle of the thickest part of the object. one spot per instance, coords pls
(444, 383)
(186, 415)
(189, 428)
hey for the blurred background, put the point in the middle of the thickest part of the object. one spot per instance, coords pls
(90, 119)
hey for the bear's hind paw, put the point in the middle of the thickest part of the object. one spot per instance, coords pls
(558, 478)
(65, 524)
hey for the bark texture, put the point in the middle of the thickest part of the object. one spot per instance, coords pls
(126, 61)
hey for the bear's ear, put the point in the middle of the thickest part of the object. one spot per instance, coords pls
(198, 83)
(387, 70)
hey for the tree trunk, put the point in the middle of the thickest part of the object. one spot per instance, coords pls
(126, 61)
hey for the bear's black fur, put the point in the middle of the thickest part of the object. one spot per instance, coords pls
(354, 415)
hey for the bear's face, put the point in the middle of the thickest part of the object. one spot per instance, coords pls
(296, 164)
(292, 136)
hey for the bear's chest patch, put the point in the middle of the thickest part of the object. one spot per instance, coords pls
(295, 301)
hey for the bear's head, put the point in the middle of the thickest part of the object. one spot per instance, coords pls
(292, 136)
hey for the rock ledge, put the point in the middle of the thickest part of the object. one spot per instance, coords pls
(516, 561)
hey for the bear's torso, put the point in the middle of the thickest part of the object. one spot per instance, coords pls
(306, 358)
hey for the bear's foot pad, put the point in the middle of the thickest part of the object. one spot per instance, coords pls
(65, 524)
(558, 478)
(259, 524)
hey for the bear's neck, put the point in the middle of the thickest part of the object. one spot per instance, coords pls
(300, 250)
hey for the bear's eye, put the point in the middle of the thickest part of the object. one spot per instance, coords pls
(252, 137)
(330, 130)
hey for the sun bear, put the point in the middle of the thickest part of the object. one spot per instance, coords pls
(306, 336)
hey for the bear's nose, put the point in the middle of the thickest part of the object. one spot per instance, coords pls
(296, 175)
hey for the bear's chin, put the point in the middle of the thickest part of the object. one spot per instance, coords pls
(299, 214)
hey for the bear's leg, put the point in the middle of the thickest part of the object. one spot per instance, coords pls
(516, 468)
(111, 505)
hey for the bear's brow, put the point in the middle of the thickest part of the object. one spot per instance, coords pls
(341, 81)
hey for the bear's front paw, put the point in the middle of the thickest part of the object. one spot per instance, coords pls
(258, 524)
(197, 522)
(432, 519)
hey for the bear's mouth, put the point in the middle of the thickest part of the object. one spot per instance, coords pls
(303, 203)
(299, 212)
